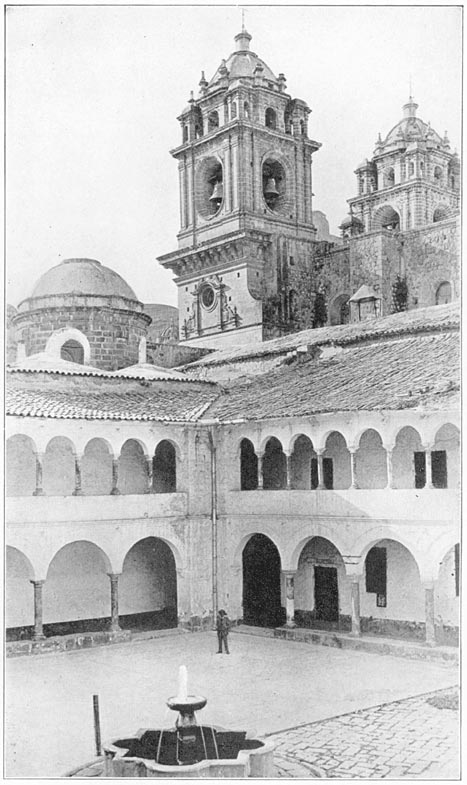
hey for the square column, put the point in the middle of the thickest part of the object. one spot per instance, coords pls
(290, 597)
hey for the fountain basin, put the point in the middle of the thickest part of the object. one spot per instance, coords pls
(228, 754)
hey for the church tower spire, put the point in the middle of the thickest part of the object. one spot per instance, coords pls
(245, 197)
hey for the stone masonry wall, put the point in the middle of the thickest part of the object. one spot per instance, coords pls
(114, 335)
(431, 255)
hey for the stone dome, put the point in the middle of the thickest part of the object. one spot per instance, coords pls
(242, 63)
(411, 129)
(82, 276)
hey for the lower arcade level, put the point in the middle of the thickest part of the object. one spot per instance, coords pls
(342, 522)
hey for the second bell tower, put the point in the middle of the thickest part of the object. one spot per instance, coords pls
(245, 199)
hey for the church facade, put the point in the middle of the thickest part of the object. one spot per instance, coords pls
(310, 479)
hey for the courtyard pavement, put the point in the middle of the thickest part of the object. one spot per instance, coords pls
(265, 684)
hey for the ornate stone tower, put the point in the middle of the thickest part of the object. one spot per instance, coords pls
(245, 199)
(412, 180)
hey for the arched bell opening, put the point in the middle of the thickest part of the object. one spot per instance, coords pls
(148, 586)
(261, 565)
(386, 218)
(443, 293)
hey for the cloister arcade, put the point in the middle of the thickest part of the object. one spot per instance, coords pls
(382, 593)
(76, 595)
(361, 461)
(61, 471)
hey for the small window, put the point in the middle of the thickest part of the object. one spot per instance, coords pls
(411, 169)
(438, 173)
(185, 133)
(439, 469)
(246, 110)
(376, 575)
(233, 112)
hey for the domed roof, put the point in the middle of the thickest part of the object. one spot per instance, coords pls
(242, 63)
(411, 129)
(82, 276)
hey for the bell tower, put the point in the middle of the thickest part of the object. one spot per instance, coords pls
(245, 183)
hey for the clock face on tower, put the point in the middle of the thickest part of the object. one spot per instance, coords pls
(208, 297)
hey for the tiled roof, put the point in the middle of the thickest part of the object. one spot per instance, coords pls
(440, 317)
(420, 371)
(168, 401)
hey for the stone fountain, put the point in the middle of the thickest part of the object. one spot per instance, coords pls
(189, 750)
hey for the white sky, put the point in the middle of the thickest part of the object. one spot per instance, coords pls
(93, 94)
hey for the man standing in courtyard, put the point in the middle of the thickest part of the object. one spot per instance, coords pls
(222, 627)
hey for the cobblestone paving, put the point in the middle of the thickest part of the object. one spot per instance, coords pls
(409, 738)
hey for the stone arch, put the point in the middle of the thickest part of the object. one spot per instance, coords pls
(164, 467)
(371, 537)
(320, 584)
(58, 467)
(339, 309)
(274, 465)
(19, 594)
(248, 466)
(447, 442)
(337, 452)
(60, 337)
(440, 213)
(303, 464)
(371, 462)
(386, 218)
(148, 585)
(133, 467)
(20, 465)
(76, 593)
(261, 573)
(392, 600)
(96, 467)
(405, 466)
(443, 293)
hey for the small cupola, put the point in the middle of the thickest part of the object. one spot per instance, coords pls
(242, 41)
(410, 108)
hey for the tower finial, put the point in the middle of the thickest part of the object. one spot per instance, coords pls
(243, 20)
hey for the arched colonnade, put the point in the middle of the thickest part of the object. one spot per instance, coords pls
(366, 459)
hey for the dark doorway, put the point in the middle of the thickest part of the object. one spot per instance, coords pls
(262, 583)
(326, 594)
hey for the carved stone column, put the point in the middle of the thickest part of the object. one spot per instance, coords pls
(39, 491)
(430, 636)
(150, 475)
(78, 490)
(288, 468)
(38, 634)
(260, 456)
(321, 486)
(290, 597)
(114, 620)
(389, 468)
(114, 491)
(429, 481)
(355, 605)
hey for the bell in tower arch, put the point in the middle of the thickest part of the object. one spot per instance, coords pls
(217, 195)
(270, 190)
